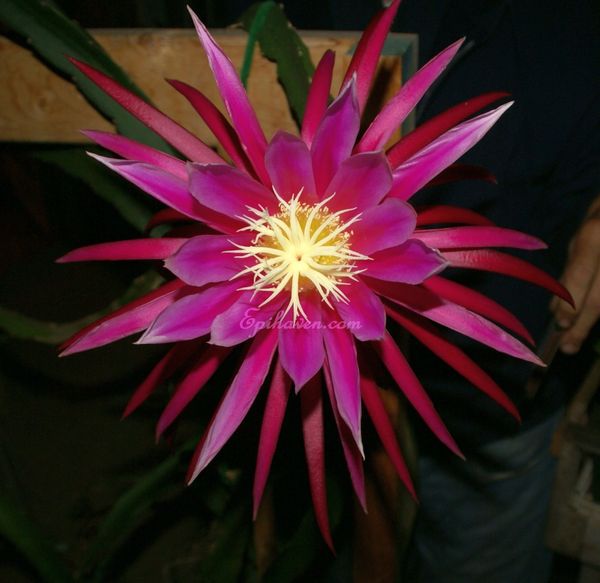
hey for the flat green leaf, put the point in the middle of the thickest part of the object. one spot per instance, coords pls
(16, 527)
(53, 37)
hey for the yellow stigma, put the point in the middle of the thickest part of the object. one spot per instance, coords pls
(302, 247)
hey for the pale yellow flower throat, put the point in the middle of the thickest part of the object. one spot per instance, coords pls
(301, 247)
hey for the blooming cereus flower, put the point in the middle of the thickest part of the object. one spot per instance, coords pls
(298, 249)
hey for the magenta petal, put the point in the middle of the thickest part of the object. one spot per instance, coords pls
(238, 399)
(289, 166)
(177, 136)
(387, 225)
(441, 214)
(227, 190)
(417, 171)
(352, 454)
(361, 182)
(301, 344)
(412, 262)
(409, 384)
(124, 250)
(462, 237)
(335, 137)
(192, 316)
(235, 99)
(311, 405)
(272, 420)
(206, 365)
(204, 259)
(397, 109)
(318, 96)
(363, 314)
(341, 357)
(457, 171)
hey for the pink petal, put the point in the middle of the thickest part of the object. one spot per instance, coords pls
(361, 182)
(318, 96)
(166, 216)
(341, 357)
(433, 128)
(335, 137)
(207, 364)
(412, 262)
(216, 122)
(235, 99)
(272, 420)
(128, 320)
(418, 170)
(363, 314)
(227, 190)
(177, 136)
(397, 109)
(441, 214)
(289, 166)
(454, 357)
(507, 265)
(125, 250)
(409, 384)
(311, 404)
(132, 150)
(462, 237)
(237, 401)
(191, 317)
(301, 344)
(387, 225)
(478, 303)
(366, 56)
(352, 454)
(457, 171)
(204, 259)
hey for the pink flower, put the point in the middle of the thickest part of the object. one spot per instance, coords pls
(303, 247)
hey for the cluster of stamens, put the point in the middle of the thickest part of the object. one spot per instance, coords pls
(303, 246)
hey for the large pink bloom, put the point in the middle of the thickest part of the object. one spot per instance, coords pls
(305, 246)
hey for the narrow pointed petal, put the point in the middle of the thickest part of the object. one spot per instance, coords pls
(301, 346)
(228, 191)
(418, 170)
(125, 250)
(442, 214)
(457, 171)
(235, 99)
(272, 420)
(454, 357)
(474, 237)
(132, 318)
(366, 56)
(289, 166)
(433, 128)
(191, 317)
(409, 384)
(335, 137)
(361, 182)
(207, 364)
(311, 405)
(341, 357)
(352, 455)
(387, 225)
(363, 313)
(477, 302)
(385, 431)
(399, 107)
(497, 262)
(133, 150)
(188, 144)
(412, 262)
(318, 97)
(167, 366)
(216, 122)
(166, 216)
(237, 401)
(203, 259)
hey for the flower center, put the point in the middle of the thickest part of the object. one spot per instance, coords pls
(302, 247)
